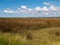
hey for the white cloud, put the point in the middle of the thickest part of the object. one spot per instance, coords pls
(24, 7)
(45, 8)
(47, 3)
(53, 8)
(35, 11)
(30, 9)
(38, 8)
(8, 10)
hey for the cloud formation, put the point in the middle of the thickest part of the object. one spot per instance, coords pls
(8, 10)
(47, 3)
(46, 10)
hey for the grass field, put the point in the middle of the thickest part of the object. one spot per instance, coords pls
(29, 31)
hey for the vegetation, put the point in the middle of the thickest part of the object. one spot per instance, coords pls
(29, 31)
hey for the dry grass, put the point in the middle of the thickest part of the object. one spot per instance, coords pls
(29, 31)
(23, 24)
(40, 37)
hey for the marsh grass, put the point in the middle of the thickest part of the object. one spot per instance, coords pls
(42, 37)
(30, 31)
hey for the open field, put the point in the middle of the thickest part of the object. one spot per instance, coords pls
(29, 31)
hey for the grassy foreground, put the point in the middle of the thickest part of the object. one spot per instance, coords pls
(29, 31)
(47, 36)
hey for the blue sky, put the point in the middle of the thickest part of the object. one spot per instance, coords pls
(29, 8)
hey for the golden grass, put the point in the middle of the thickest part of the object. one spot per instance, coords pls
(24, 24)
(29, 31)
(40, 37)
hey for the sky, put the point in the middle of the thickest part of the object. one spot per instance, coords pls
(29, 8)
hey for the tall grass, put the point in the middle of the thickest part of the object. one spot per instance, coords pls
(24, 24)
(30, 31)
(46, 36)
